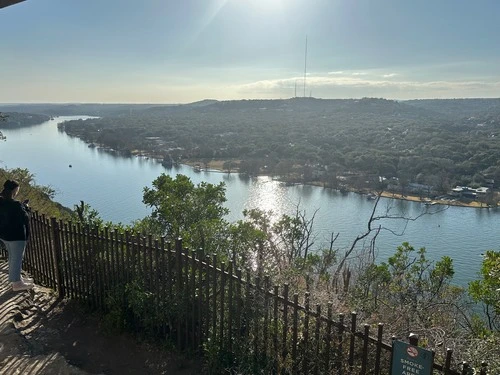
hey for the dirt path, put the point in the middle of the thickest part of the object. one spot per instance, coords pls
(42, 335)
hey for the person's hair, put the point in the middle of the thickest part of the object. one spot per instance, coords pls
(8, 188)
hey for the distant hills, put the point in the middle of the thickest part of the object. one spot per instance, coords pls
(450, 108)
(458, 108)
(439, 142)
(75, 109)
(434, 142)
(16, 119)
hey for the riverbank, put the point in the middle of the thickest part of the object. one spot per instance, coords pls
(218, 166)
(212, 165)
(428, 201)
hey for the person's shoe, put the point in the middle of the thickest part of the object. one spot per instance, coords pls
(27, 280)
(21, 285)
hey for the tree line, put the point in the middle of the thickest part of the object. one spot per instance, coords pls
(316, 140)
(13, 120)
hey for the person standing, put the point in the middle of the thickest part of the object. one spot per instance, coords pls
(14, 232)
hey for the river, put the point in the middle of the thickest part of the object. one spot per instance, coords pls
(113, 185)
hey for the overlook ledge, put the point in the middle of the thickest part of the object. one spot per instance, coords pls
(43, 335)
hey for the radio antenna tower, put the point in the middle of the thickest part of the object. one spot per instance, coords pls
(305, 69)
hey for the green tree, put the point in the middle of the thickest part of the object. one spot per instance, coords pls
(414, 280)
(410, 291)
(487, 289)
(229, 166)
(181, 209)
(250, 167)
(86, 215)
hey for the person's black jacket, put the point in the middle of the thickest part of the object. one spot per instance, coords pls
(14, 220)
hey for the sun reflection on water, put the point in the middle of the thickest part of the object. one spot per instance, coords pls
(269, 195)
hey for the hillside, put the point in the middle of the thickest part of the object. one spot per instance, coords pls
(416, 141)
(458, 108)
(75, 109)
(12, 120)
(40, 197)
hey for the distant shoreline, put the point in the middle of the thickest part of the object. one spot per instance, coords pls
(216, 166)
(412, 198)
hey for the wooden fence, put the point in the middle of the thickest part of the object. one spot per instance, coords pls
(198, 302)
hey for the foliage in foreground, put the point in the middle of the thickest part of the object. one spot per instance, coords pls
(487, 289)
(409, 291)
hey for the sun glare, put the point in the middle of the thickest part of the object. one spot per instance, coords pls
(264, 5)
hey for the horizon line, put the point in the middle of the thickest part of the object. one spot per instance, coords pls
(249, 99)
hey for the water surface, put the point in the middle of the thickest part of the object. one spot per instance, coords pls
(113, 185)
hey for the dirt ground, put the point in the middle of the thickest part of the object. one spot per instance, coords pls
(40, 334)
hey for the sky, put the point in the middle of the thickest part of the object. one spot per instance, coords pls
(179, 51)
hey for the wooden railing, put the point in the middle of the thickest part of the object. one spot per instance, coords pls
(199, 302)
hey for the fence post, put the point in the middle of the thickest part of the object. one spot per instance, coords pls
(56, 253)
(466, 369)
(305, 336)
(447, 364)
(393, 339)
(328, 336)
(364, 360)
(179, 292)
(378, 354)
(178, 265)
(351, 343)
(484, 368)
(295, 335)
(339, 340)
(413, 339)
(222, 303)
(317, 339)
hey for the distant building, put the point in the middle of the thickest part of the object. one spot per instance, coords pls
(468, 192)
(482, 190)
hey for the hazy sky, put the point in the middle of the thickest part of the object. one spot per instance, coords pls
(171, 51)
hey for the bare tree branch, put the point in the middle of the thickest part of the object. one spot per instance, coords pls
(376, 230)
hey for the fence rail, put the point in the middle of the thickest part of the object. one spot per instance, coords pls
(199, 302)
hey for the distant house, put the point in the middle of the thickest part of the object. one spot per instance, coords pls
(482, 190)
(468, 192)
(464, 192)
